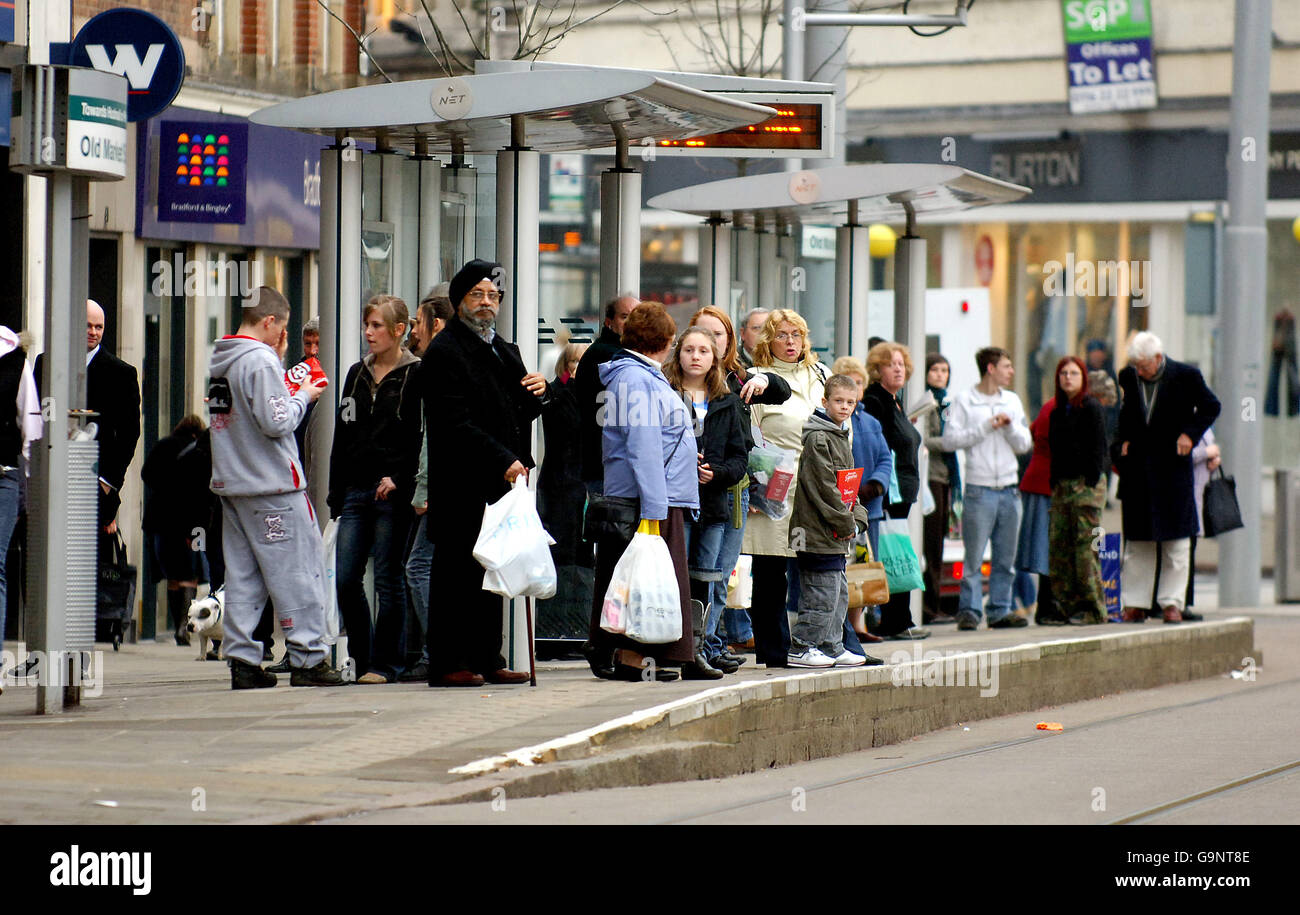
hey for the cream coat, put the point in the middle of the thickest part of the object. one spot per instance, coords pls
(782, 425)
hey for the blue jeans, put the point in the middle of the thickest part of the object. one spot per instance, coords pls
(989, 514)
(368, 526)
(10, 495)
(704, 559)
(418, 565)
(736, 622)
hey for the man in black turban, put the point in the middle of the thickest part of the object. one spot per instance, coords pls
(480, 402)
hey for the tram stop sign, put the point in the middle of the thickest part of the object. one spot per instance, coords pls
(139, 46)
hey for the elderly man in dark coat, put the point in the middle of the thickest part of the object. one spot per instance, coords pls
(480, 402)
(1166, 409)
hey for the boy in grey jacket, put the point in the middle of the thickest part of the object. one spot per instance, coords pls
(269, 534)
(822, 530)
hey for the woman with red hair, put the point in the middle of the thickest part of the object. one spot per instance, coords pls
(1077, 438)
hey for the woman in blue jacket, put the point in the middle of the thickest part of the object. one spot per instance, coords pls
(649, 456)
(871, 453)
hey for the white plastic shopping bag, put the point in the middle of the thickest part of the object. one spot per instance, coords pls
(330, 539)
(740, 584)
(643, 601)
(514, 548)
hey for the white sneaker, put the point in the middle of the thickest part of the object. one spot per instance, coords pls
(809, 658)
(849, 659)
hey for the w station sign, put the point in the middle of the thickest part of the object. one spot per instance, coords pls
(139, 46)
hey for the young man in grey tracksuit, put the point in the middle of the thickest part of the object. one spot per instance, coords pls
(270, 537)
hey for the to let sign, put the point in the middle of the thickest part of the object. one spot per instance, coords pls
(1109, 60)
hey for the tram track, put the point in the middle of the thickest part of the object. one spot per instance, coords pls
(1139, 816)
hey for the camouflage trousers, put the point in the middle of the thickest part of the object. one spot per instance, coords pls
(1074, 564)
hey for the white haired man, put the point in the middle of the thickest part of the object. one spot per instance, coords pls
(750, 328)
(1167, 407)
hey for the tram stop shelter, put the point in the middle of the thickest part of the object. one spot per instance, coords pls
(515, 111)
(759, 214)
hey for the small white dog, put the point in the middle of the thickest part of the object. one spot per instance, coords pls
(205, 616)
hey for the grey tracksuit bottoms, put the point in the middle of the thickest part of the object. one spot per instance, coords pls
(823, 603)
(273, 546)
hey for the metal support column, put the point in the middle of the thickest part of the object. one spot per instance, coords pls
(746, 242)
(620, 228)
(792, 65)
(852, 283)
(826, 61)
(766, 278)
(517, 220)
(787, 258)
(63, 601)
(429, 249)
(909, 330)
(714, 270)
(1241, 322)
(340, 305)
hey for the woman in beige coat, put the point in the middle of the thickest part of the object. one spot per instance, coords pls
(785, 350)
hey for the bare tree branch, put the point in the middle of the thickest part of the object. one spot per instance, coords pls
(361, 40)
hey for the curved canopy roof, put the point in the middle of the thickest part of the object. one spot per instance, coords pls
(562, 110)
(881, 190)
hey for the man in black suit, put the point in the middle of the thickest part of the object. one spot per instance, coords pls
(587, 387)
(480, 402)
(112, 391)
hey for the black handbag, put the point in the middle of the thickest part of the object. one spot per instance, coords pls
(115, 596)
(610, 516)
(1221, 513)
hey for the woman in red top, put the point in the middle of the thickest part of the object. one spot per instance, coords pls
(1036, 501)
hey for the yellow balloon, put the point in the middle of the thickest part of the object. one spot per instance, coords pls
(880, 240)
(1295, 229)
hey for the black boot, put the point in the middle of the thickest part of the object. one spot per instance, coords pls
(178, 609)
(1048, 612)
(699, 667)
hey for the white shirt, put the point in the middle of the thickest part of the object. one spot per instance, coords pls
(990, 453)
(91, 355)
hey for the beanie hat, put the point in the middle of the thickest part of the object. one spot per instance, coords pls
(471, 275)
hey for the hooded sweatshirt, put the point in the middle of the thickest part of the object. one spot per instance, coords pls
(648, 438)
(253, 418)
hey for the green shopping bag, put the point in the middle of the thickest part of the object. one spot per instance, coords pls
(899, 557)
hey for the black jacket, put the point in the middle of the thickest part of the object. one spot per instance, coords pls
(904, 441)
(561, 496)
(377, 432)
(587, 388)
(176, 476)
(722, 441)
(1077, 436)
(112, 391)
(776, 392)
(478, 418)
(1155, 481)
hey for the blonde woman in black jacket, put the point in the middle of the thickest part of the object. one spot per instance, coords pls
(372, 478)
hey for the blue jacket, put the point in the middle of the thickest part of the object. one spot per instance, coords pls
(647, 438)
(871, 453)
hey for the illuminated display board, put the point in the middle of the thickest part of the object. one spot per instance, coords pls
(797, 126)
(804, 128)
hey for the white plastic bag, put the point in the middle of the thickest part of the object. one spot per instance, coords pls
(643, 601)
(514, 548)
(740, 584)
(330, 539)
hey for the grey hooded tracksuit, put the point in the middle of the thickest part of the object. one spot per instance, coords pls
(271, 540)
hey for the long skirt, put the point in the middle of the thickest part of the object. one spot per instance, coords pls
(608, 552)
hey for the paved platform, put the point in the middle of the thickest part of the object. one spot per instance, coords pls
(167, 741)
